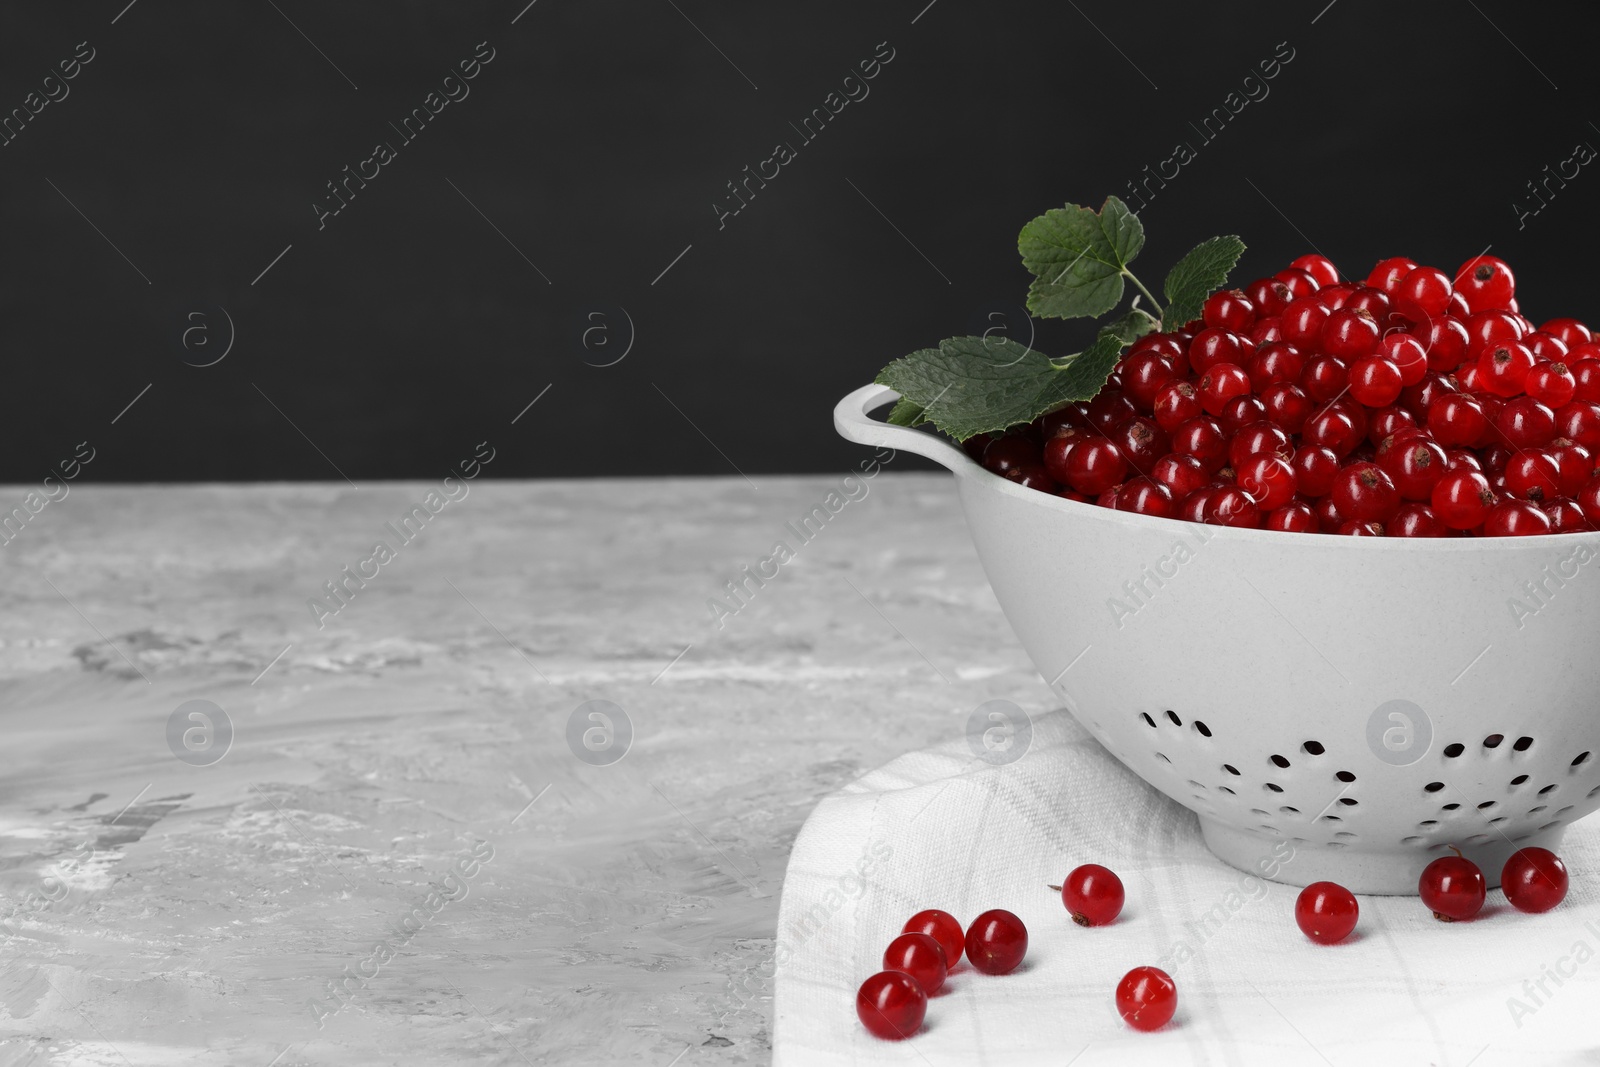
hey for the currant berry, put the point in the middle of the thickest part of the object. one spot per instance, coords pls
(1266, 331)
(1545, 347)
(1374, 302)
(1376, 382)
(1302, 322)
(1141, 442)
(1211, 347)
(1516, 518)
(1194, 506)
(1426, 287)
(1147, 998)
(1275, 362)
(1589, 500)
(1328, 515)
(1534, 879)
(1095, 466)
(1414, 464)
(1456, 419)
(1526, 423)
(1232, 506)
(1315, 468)
(1585, 375)
(1109, 409)
(1269, 295)
(1092, 894)
(996, 942)
(1364, 493)
(1181, 475)
(1203, 439)
(1350, 334)
(1242, 411)
(1456, 459)
(1143, 375)
(1320, 268)
(1059, 448)
(1487, 283)
(1296, 517)
(1566, 517)
(943, 928)
(1387, 274)
(1300, 283)
(1416, 520)
(1393, 421)
(1575, 464)
(1503, 368)
(1324, 378)
(1257, 437)
(1452, 887)
(1570, 331)
(1533, 474)
(1445, 341)
(1229, 309)
(1462, 499)
(1552, 384)
(1333, 427)
(1579, 421)
(1287, 405)
(1221, 384)
(1145, 496)
(1326, 912)
(1035, 477)
(1268, 479)
(1407, 354)
(1011, 451)
(920, 956)
(891, 1005)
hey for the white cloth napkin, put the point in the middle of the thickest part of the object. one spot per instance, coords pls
(942, 829)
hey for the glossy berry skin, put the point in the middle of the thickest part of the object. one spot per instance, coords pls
(1315, 469)
(943, 928)
(1445, 341)
(1462, 499)
(1012, 450)
(1534, 879)
(1211, 347)
(1241, 411)
(1376, 382)
(1414, 464)
(1141, 443)
(1333, 427)
(1415, 520)
(1533, 475)
(1453, 888)
(1092, 894)
(1579, 421)
(920, 956)
(1220, 384)
(1574, 466)
(1364, 493)
(1486, 282)
(1143, 375)
(1181, 475)
(1324, 378)
(1059, 448)
(1552, 384)
(1526, 423)
(996, 942)
(1426, 287)
(1269, 480)
(1229, 309)
(1203, 439)
(1516, 518)
(1326, 912)
(1259, 437)
(1176, 403)
(1571, 332)
(1095, 466)
(1232, 506)
(1288, 406)
(891, 1005)
(1457, 420)
(1292, 518)
(1387, 274)
(1302, 322)
(1350, 334)
(1147, 998)
(1145, 496)
(1320, 268)
(1503, 367)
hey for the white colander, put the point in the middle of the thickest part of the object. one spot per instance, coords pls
(1371, 701)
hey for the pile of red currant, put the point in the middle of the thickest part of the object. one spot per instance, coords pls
(1414, 404)
(893, 1003)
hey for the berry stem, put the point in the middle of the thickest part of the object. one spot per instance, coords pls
(1148, 295)
(1055, 887)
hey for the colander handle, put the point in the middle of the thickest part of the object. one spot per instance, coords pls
(850, 418)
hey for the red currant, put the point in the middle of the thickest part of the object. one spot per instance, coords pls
(1535, 880)
(1176, 402)
(1580, 421)
(1143, 375)
(1486, 282)
(1092, 894)
(1326, 912)
(1452, 888)
(1110, 409)
(1571, 332)
(1287, 405)
(1302, 322)
(1242, 411)
(1551, 384)
(1145, 496)
(1059, 448)
(891, 1005)
(1213, 346)
(1181, 475)
(1457, 419)
(1221, 384)
(1414, 464)
(1575, 464)
(1516, 518)
(1352, 528)
(920, 956)
(1141, 442)
(1095, 466)
(1033, 478)
(1462, 499)
(1147, 998)
(1545, 347)
(1011, 451)
(1416, 520)
(1324, 378)
(1526, 423)
(1445, 340)
(1320, 268)
(943, 928)
(1257, 437)
(1203, 439)
(1387, 274)
(1350, 334)
(1534, 475)
(1232, 506)
(1426, 287)
(1376, 382)
(1229, 309)
(1503, 368)
(1193, 507)
(1268, 479)
(1485, 328)
(1566, 517)
(1364, 493)
(1292, 518)
(1585, 376)
(1275, 362)
(1333, 427)
(1407, 354)
(1315, 468)
(1269, 295)
(1300, 283)
(996, 942)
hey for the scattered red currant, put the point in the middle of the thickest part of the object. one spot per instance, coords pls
(891, 1005)
(1534, 879)
(1326, 912)
(996, 942)
(920, 956)
(1092, 894)
(1147, 997)
(943, 928)
(1452, 887)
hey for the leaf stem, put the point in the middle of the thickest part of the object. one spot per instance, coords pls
(1154, 303)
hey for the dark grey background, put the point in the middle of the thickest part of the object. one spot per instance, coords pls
(597, 142)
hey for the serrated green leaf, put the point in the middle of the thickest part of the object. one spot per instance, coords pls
(973, 385)
(1077, 257)
(906, 413)
(1199, 274)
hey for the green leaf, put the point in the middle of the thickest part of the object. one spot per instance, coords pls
(1077, 257)
(906, 413)
(1199, 274)
(973, 385)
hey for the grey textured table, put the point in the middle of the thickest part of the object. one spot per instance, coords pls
(302, 897)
